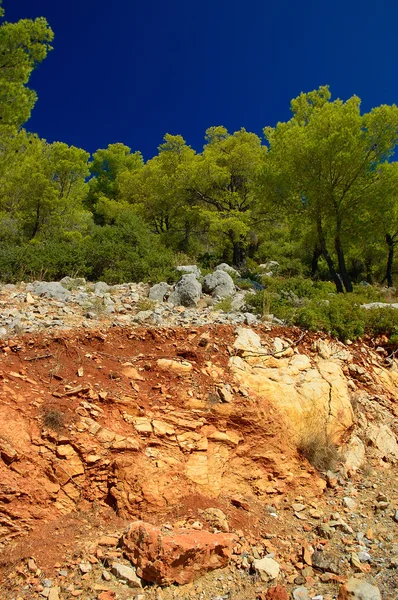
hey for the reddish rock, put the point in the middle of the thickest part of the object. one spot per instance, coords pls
(277, 593)
(178, 556)
(108, 595)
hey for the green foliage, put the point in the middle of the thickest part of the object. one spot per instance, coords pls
(383, 321)
(314, 306)
(341, 316)
(146, 304)
(23, 46)
(50, 260)
(128, 251)
(298, 286)
(320, 197)
(225, 304)
(326, 165)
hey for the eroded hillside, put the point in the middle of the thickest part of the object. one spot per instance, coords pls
(190, 429)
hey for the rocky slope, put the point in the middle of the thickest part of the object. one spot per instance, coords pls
(163, 462)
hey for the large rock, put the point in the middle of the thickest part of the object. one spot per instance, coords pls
(311, 398)
(225, 267)
(187, 291)
(358, 589)
(101, 288)
(159, 291)
(180, 556)
(190, 270)
(49, 289)
(219, 284)
(71, 283)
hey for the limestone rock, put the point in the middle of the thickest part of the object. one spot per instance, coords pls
(300, 593)
(187, 291)
(384, 439)
(52, 289)
(190, 269)
(371, 305)
(267, 568)
(70, 283)
(178, 556)
(219, 284)
(325, 561)
(181, 368)
(216, 518)
(225, 267)
(358, 589)
(354, 454)
(247, 340)
(127, 573)
(101, 288)
(315, 397)
(159, 291)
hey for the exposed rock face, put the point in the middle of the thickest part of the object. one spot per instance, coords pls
(70, 282)
(219, 284)
(308, 395)
(165, 557)
(187, 291)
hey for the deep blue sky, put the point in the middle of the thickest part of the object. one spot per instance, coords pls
(131, 71)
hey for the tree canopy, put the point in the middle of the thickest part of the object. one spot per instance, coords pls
(318, 194)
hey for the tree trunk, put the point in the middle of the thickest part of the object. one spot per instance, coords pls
(369, 274)
(187, 237)
(390, 260)
(316, 255)
(342, 266)
(238, 254)
(329, 261)
(37, 221)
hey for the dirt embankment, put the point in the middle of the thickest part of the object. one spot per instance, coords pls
(101, 428)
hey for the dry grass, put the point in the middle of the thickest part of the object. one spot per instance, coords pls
(53, 419)
(320, 450)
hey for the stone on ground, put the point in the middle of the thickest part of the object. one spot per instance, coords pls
(190, 269)
(127, 573)
(267, 568)
(219, 284)
(358, 589)
(178, 556)
(49, 289)
(159, 291)
(187, 291)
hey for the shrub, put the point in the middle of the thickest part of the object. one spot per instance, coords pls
(225, 304)
(145, 304)
(382, 321)
(340, 316)
(53, 419)
(311, 305)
